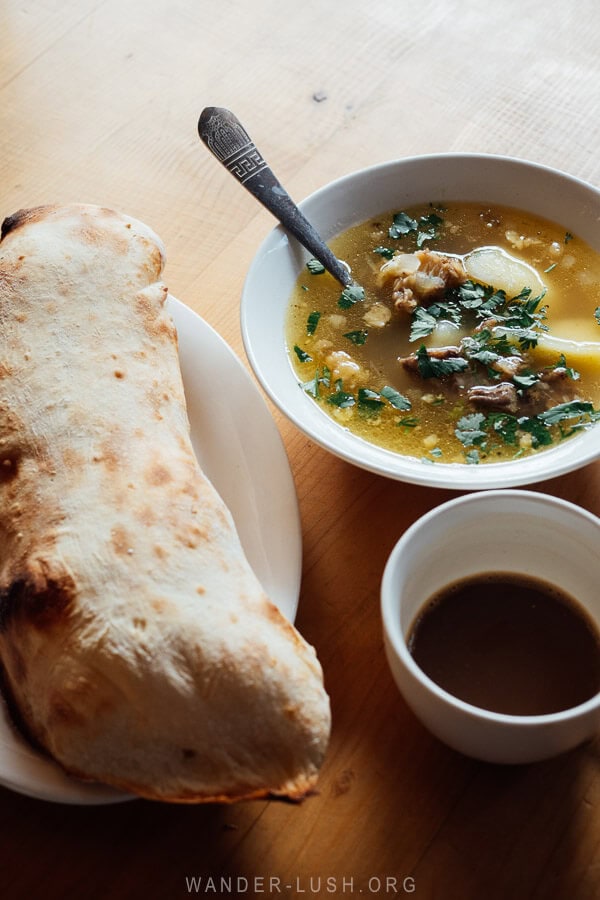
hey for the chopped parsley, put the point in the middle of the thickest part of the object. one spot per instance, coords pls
(574, 409)
(402, 224)
(312, 322)
(408, 422)
(395, 398)
(357, 337)
(469, 430)
(321, 377)
(561, 363)
(430, 367)
(341, 399)
(482, 297)
(504, 425)
(422, 324)
(315, 267)
(426, 228)
(369, 401)
(351, 295)
(302, 355)
(525, 379)
(597, 314)
(386, 252)
(476, 429)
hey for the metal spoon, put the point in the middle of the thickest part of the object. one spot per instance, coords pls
(229, 141)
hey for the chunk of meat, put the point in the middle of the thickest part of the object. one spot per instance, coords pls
(551, 376)
(507, 365)
(501, 396)
(554, 387)
(420, 278)
(411, 363)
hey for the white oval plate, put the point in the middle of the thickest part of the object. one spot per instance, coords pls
(240, 450)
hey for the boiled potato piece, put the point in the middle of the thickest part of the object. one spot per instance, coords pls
(492, 265)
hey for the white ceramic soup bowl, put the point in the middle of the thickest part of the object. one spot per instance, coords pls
(503, 531)
(382, 188)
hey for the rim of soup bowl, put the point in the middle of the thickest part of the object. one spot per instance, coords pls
(279, 261)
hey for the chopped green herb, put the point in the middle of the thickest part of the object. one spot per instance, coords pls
(369, 401)
(303, 287)
(312, 322)
(320, 378)
(341, 399)
(541, 436)
(395, 398)
(430, 367)
(482, 297)
(446, 309)
(386, 252)
(315, 267)
(550, 268)
(351, 295)
(526, 337)
(302, 355)
(526, 380)
(357, 337)
(472, 457)
(422, 324)
(522, 320)
(312, 386)
(469, 429)
(504, 425)
(568, 237)
(597, 314)
(402, 224)
(408, 422)
(523, 295)
(486, 346)
(436, 452)
(426, 228)
(561, 363)
(576, 408)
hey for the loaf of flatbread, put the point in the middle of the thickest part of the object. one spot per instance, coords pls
(137, 646)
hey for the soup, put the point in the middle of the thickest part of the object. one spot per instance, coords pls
(471, 334)
(509, 643)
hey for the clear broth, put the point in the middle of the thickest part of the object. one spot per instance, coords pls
(426, 428)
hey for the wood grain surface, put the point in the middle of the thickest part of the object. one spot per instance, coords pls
(99, 101)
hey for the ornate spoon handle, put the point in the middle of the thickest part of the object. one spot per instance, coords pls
(229, 141)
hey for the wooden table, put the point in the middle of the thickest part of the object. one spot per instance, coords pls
(99, 101)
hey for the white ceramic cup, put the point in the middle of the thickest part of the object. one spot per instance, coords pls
(498, 531)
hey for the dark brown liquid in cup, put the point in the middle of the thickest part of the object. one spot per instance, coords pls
(508, 643)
